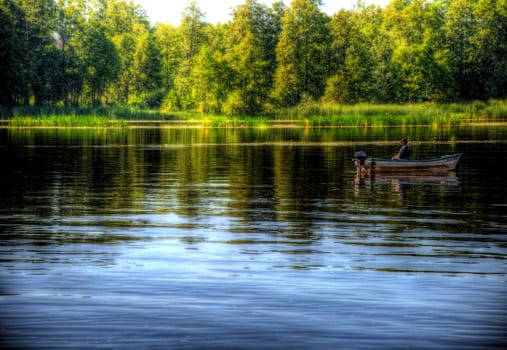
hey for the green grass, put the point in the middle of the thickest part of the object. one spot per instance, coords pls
(305, 115)
(109, 112)
(390, 115)
(66, 121)
(234, 122)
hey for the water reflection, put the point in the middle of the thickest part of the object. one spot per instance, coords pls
(406, 185)
(246, 239)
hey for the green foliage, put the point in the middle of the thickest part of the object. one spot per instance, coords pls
(96, 52)
(66, 121)
(119, 113)
(301, 53)
(213, 75)
(248, 59)
(167, 38)
(147, 67)
(310, 114)
(100, 63)
(15, 61)
(193, 36)
(495, 110)
(490, 47)
(393, 114)
(234, 122)
(353, 61)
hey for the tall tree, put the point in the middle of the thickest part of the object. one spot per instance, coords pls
(72, 17)
(248, 37)
(490, 48)
(213, 73)
(301, 53)
(100, 61)
(147, 67)
(126, 25)
(458, 29)
(272, 29)
(381, 50)
(167, 39)
(413, 29)
(351, 60)
(192, 33)
(14, 62)
(78, 52)
(39, 47)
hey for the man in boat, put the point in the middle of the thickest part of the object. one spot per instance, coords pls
(405, 151)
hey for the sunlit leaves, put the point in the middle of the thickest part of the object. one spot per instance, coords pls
(301, 53)
(80, 52)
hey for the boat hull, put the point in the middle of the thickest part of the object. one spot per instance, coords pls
(439, 165)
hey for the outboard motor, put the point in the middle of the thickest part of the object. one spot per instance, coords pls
(360, 160)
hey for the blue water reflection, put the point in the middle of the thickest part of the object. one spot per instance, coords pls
(191, 239)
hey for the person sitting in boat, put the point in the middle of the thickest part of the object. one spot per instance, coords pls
(405, 151)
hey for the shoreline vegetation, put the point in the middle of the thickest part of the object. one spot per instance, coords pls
(290, 60)
(305, 115)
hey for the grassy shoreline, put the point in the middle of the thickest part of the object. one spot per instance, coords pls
(65, 121)
(309, 115)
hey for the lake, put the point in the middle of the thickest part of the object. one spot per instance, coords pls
(166, 238)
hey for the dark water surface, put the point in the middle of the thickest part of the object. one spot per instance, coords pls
(250, 239)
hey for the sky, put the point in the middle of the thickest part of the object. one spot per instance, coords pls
(218, 11)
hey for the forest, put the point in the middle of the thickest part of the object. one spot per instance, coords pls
(107, 53)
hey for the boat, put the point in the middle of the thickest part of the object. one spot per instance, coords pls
(442, 164)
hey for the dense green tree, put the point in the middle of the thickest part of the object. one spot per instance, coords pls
(341, 27)
(247, 40)
(413, 28)
(83, 52)
(351, 65)
(302, 55)
(458, 29)
(490, 49)
(70, 28)
(193, 36)
(213, 73)
(38, 47)
(272, 28)
(120, 16)
(384, 79)
(146, 66)
(14, 62)
(127, 26)
(167, 39)
(121, 89)
(67, 20)
(100, 61)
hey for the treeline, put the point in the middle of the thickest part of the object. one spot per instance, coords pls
(96, 52)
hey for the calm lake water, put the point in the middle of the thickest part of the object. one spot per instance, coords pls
(250, 239)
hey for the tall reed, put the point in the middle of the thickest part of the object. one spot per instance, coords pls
(103, 111)
(308, 114)
(389, 114)
(66, 121)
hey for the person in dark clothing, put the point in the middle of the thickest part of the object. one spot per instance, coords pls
(405, 151)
